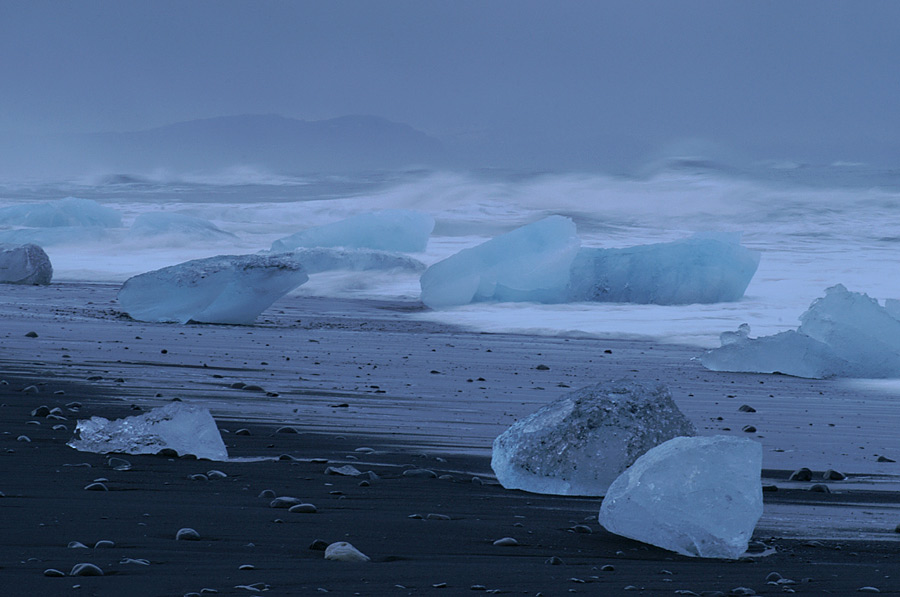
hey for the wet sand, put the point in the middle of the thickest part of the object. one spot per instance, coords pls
(362, 374)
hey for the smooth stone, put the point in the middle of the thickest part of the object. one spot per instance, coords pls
(344, 552)
(24, 438)
(242, 432)
(187, 534)
(266, 493)
(54, 573)
(437, 517)
(802, 474)
(41, 411)
(118, 464)
(820, 488)
(346, 471)
(86, 569)
(285, 502)
(303, 509)
(554, 561)
(832, 475)
(139, 561)
(31, 390)
(214, 474)
(76, 545)
(198, 477)
(506, 542)
(104, 543)
(746, 408)
(318, 545)
(98, 486)
(286, 429)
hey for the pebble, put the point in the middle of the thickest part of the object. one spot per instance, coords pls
(347, 470)
(31, 334)
(53, 572)
(868, 589)
(31, 390)
(118, 464)
(303, 509)
(98, 486)
(246, 567)
(139, 561)
(187, 534)
(215, 474)
(23, 438)
(542, 367)
(748, 429)
(582, 528)
(238, 385)
(885, 459)
(420, 473)
(286, 429)
(773, 577)
(820, 488)
(742, 591)
(318, 545)
(198, 477)
(285, 502)
(104, 543)
(506, 542)
(266, 493)
(555, 561)
(437, 517)
(77, 545)
(365, 450)
(832, 475)
(86, 569)
(41, 411)
(746, 408)
(802, 474)
(344, 552)
(607, 568)
(242, 432)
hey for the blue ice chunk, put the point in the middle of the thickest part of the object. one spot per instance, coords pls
(702, 269)
(70, 211)
(530, 263)
(388, 230)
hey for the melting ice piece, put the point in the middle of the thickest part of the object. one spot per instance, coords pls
(579, 444)
(323, 259)
(185, 428)
(70, 211)
(175, 224)
(702, 269)
(25, 264)
(530, 263)
(388, 230)
(697, 496)
(230, 289)
(844, 334)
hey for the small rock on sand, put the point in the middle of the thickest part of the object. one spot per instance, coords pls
(86, 569)
(506, 542)
(187, 534)
(53, 572)
(346, 471)
(303, 509)
(344, 552)
(419, 473)
(802, 474)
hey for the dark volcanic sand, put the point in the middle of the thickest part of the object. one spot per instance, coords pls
(317, 355)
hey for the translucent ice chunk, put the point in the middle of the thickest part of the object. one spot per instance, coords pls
(530, 263)
(388, 230)
(25, 264)
(697, 496)
(578, 444)
(230, 289)
(185, 428)
(843, 334)
(702, 269)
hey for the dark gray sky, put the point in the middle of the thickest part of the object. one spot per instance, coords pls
(753, 75)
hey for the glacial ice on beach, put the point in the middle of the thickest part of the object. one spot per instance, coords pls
(183, 427)
(697, 496)
(580, 443)
(542, 262)
(176, 224)
(530, 263)
(230, 289)
(843, 334)
(702, 269)
(388, 230)
(235, 289)
(68, 212)
(24, 264)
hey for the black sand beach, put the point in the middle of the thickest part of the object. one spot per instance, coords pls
(364, 374)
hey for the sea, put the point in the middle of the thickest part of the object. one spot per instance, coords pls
(814, 225)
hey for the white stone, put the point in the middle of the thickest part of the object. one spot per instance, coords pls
(387, 230)
(697, 496)
(183, 427)
(580, 443)
(344, 552)
(25, 264)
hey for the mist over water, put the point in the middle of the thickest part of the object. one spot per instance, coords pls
(815, 227)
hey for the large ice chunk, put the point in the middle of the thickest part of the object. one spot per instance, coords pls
(578, 444)
(231, 289)
(25, 264)
(176, 224)
(846, 334)
(388, 230)
(183, 427)
(702, 269)
(697, 496)
(70, 211)
(530, 263)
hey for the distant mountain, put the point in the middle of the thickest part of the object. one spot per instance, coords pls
(276, 143)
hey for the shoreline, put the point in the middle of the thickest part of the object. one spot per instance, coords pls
(408, 397)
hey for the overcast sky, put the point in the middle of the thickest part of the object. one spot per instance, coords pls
(546, 74)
